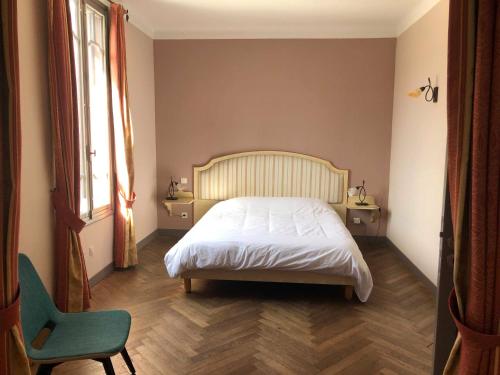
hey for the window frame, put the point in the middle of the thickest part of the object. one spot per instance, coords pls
(94, 214)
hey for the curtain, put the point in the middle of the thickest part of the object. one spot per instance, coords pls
(474, 183)
(125, 250)
(72, 287)
(13, 359)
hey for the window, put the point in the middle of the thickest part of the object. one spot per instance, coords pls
(89, 24)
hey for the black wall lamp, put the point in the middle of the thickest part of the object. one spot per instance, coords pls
(431, 93)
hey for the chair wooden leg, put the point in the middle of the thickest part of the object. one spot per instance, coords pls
(46, 368)
(128, 361)
(108, 366)
(187, 285)
(348, 292)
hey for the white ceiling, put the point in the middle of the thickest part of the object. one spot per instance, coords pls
(232, 19)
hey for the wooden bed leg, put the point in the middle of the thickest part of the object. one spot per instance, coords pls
(187, 284)
(348, 291)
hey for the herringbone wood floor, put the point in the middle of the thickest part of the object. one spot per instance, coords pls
(250, 328)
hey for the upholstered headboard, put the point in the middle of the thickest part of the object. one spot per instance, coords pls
(268, 174)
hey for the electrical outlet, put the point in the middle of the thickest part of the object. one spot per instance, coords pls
(91, 251)
(184, 180)
(356, 220)
(184, 215)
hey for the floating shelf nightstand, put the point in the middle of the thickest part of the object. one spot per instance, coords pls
(371, 206)
(183, 198)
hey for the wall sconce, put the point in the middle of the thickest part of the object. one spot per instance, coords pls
(431, 93)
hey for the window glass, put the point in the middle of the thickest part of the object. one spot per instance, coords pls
(77, 40)
(91, 71)
(98, 107)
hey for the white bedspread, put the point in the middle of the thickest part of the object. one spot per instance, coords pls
(299, 234)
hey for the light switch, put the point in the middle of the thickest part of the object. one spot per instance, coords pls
(184, 180)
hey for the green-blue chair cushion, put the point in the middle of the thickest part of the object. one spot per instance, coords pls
(85, 335)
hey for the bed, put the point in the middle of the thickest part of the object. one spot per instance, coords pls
(270, 216)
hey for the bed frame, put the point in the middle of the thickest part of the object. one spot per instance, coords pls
(269, 174)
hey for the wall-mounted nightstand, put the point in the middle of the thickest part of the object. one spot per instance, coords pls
(371, 207)
(183, 198)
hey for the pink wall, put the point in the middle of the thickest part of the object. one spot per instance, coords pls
(329, 98)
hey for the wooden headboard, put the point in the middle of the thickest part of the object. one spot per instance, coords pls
(268, 174)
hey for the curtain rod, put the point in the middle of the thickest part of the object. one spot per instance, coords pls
(109, 2)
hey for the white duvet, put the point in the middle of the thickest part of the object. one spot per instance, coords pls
(299, 234)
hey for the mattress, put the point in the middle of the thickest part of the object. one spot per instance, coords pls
(261, 233)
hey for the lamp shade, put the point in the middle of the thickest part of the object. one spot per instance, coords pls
(415, 93)
(352, 191)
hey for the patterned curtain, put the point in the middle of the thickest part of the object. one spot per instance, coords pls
(125, 250)
(72, 287)
(13, 359)
(474, 183)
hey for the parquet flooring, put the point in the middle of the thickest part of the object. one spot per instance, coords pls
(255, 328)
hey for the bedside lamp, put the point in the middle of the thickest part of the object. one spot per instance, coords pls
(362, 195)
(359, 190)
(171, 189)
